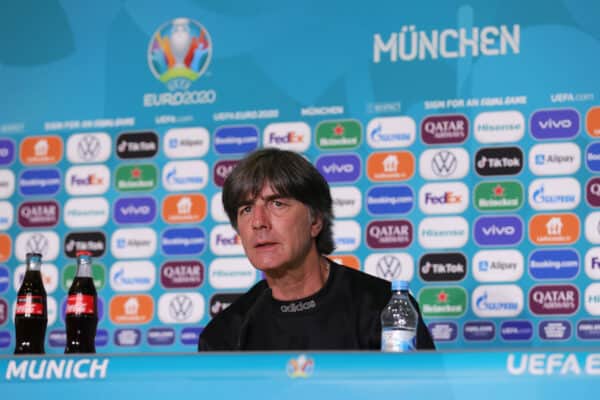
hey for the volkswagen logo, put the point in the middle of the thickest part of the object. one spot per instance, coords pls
(389, 267)
(181, 307)
(444, 163)
(88, 147)
(37, 243)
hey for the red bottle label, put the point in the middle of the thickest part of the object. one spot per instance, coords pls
(80, 304)
(29, 305)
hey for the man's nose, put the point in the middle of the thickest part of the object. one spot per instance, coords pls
(260, 218)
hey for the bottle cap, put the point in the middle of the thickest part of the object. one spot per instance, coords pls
(33, 257)
(399, 284)
(83, 253)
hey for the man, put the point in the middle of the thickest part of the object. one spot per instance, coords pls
(281, 207)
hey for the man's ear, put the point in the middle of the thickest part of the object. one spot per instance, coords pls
(317, 224)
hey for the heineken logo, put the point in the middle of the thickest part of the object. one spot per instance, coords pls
(339, 134)
(499, 196)
(136, 177)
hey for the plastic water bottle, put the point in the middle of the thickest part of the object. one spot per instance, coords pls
(399, 321)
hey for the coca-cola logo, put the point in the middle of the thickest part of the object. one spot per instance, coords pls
(554, 299)
(37, 214)
(94, 242)
(222, 170)
(182, 274)
(389, 234)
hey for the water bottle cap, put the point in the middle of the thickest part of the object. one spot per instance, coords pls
(83, 253)
(399, 284)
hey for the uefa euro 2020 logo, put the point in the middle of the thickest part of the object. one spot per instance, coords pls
(179, 53)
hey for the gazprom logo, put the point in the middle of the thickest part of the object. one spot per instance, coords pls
(237, 139)
(386, 132)
(497, 301)
(390, 200)
(183, 241)
(339, 168)
(185, 175)
(554, 194)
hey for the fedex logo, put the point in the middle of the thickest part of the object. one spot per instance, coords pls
(294, 136)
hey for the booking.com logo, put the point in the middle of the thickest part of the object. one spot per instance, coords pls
(179, 52)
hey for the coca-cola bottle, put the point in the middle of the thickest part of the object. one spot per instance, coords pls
(82, 308)
(31, 313)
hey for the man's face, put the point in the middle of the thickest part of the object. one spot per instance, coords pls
(277, 233)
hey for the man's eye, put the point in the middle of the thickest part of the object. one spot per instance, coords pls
(245, 210)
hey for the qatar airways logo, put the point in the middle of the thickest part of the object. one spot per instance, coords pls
(389, 234)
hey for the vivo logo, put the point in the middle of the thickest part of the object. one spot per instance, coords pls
(554, 124)
(135, 210)
(498, 231)
(339, 168)
(550, 124)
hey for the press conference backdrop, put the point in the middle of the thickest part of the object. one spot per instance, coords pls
(460, 139)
